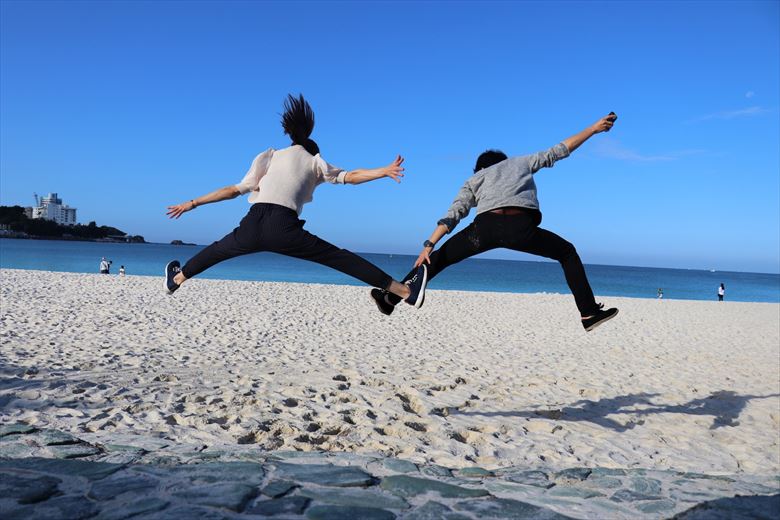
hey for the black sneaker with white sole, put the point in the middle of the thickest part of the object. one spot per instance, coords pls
(171, 270)
(384, 305)
(600, 317)
(416, 286)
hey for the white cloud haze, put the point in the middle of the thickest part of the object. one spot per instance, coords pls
(613, 149)
(731, 114)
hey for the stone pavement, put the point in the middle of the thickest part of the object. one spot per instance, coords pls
(48, 474)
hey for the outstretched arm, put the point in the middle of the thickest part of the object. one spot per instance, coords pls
(547, 158)
(392, 170)
(602, 125)
(226, 193)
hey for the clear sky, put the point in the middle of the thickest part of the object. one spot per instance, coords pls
(124, 108)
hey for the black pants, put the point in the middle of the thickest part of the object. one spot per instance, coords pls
(521, 233)
(277, 229)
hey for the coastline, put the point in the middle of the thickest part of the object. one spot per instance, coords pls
(23, 236)
(477, 274)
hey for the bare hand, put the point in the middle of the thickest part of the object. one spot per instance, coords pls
(424, 257)
(394, 169)
(604, 124)
(179, 209)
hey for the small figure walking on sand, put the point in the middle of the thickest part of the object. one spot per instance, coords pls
(721, 292)
(105, 265)
(508, 216)
(660, 294)
(281, 182)
(121, 270)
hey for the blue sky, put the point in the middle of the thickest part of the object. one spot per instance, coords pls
(126, 107)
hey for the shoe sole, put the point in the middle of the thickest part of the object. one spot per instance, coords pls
(165, 277)
(421, 296)
(588, 329)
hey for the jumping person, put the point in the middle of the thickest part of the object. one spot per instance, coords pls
(504, 193)
(281, 182)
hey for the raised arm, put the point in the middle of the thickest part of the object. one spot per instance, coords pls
(392, 170)
(228, 192)
(547, 158)
(602, 125)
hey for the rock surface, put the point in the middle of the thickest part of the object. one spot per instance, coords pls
(163, 480)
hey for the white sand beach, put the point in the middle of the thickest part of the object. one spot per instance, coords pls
(488, 379)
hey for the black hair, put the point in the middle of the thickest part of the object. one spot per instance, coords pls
(488, 158)
(298, 122)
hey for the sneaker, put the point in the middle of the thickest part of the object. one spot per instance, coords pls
(172, 269)
(600, 317)
(384, 305)
(417, 285)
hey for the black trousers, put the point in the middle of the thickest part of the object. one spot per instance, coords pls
(277, 229)
(521, 233)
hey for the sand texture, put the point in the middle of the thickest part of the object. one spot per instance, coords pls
(487, 379)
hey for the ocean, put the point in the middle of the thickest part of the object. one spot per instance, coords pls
(474, 274)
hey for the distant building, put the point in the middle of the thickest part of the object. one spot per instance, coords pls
(51, 207)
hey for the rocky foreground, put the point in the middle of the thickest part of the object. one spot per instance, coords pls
(49, 474)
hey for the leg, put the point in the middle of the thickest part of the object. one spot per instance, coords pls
(242, 240)
(299, 243)
(464, 244)
(549, 245)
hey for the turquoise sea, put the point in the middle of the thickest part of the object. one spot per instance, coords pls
(470, 275)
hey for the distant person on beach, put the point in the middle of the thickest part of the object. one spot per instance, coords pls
(105, 265)
(660, 294)
(281, 182)
(121, 270)
(721, 292)
(503, 191)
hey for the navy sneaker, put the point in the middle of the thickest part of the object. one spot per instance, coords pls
(384, 305)
(600, 317)
(172, 269)
(417, 285)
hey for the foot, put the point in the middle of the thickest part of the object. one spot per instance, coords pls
(171, 270)
(601, 316)
(380, 297)
(417, 287)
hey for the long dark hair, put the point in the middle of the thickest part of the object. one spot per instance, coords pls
(298, 122)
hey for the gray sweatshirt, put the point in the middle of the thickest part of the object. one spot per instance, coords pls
(508, 183)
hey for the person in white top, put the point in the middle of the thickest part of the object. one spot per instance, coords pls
(105, 266)
(280, 183)
(721, 292)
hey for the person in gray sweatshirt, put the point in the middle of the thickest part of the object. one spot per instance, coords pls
(504, 193)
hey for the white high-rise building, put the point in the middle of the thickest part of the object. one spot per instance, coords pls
(52, 208)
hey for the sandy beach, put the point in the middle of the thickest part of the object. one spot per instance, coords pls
(487, 379)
